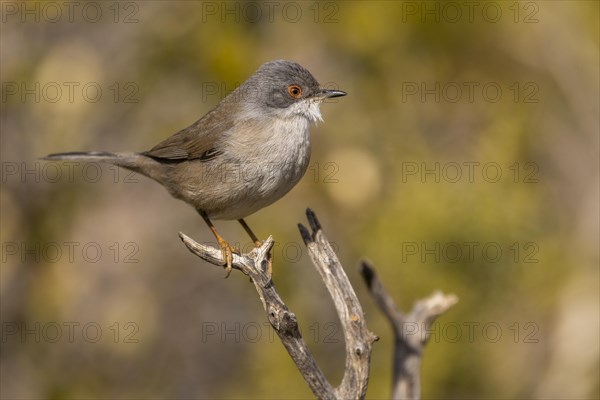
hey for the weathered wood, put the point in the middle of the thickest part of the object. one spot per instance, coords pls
(256, 264)
(411, 332)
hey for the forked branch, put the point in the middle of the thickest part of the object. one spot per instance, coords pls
(256, 264)
(411, 332)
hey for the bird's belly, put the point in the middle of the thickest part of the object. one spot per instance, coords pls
(236, 189)
(265, 189)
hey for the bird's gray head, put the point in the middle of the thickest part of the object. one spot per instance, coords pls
(285, 89)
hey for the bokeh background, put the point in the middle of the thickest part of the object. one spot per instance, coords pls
(465, 159)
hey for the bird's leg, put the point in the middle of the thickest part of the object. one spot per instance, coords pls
(257, 242)
(226, 249)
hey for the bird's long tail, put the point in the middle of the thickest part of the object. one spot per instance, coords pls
(130, 161)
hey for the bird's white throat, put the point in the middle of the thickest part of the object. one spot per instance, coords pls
(308, 108)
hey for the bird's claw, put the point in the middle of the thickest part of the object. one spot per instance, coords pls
(227, 252)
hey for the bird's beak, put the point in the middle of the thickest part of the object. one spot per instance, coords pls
(330, 93)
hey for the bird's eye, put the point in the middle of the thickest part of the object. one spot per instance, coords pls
(295, 91)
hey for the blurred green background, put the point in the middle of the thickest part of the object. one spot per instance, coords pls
(465, 158)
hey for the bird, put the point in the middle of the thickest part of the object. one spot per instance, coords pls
(241, 156)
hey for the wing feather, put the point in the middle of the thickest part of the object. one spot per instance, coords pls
(194, 141)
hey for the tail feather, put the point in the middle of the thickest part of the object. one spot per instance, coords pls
(125, 160)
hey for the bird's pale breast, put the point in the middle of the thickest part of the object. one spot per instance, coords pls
(227, 188)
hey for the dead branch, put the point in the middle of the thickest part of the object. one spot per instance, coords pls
(256, 264)
(411, 332)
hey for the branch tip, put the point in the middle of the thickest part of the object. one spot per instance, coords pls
(305, 234)
(315, 225)
(368, 273)
(267, 245)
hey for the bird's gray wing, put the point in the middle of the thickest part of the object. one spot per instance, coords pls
(201, 140)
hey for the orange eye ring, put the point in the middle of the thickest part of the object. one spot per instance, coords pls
(295, 91)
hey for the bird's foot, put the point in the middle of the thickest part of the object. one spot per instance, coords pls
(227, 252)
